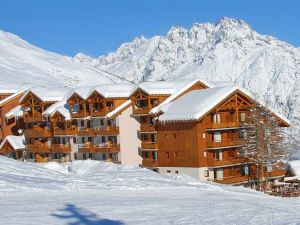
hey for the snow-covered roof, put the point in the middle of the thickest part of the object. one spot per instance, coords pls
(114, 90)
(164, 87)
(195, 104)
(61, 107)
(178, 93)
(12, 88)
(17, 142)
(119, 109)
(15, 112)
(84, 91)
(49, 94)
(15, 95)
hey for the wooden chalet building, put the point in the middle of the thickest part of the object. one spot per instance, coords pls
(201, 134)
(13, 147)
(146, 98)
(38, 129)
(9, 102)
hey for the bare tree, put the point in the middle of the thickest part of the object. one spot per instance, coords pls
(267, 143)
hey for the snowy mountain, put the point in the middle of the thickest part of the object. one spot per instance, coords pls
(22, 62)
(228, 50)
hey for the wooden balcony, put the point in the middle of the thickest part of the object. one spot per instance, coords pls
(225, 143)
(79, 115)
(36, 133)
(149, 162)
(275, 173)
(148, 128)
(38, 147)
(102, 112)
(149, 145)
(108, 130)
(221, 125)
(232, 180)
(141, 111)
(65, 132)
(99, 148)
(226, 161)
(33, 118)
(60, 148)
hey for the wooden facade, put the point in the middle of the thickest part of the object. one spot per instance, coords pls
(214, 142)
(142, 103)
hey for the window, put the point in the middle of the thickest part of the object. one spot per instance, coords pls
(75, 108)
(75, 156)
(242, 117)
(103, 139)
(206, 173)
(82, 140)
(84, 156)
(110, 104)
(74, 140)
(244, 170)
(203, 135)
(104, 156)
(219, 174)
(96, 107)
(82, 123)
(217, 136)
(176, 172)
(154, 155)
(90, 155)
(216, 118)
(205, 154)
(168, 171)
(102, 122)
(89, 139)
(168, 155)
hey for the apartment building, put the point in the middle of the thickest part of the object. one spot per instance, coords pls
(201, 134)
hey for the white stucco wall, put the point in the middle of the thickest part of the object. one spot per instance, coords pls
(198, 173)
(129, 141)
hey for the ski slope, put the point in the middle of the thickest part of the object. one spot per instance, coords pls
(92, 192)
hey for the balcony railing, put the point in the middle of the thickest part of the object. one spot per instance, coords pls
(150, 162)
(102, 112)
(33, 118)
(222, 124)
(95, 148)
(225, 143)
(226, 161)
(36, 133)
(141, 111)
(149, 145)
(60, 148)
(147, 128)
(108, 130)
(232, 180)
(68, 131)
(275, 173)
(79, 114)
(39, 148)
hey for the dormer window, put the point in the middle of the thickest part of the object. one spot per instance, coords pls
(110, 104)
(75, 108)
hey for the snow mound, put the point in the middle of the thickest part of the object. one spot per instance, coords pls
(88, 175)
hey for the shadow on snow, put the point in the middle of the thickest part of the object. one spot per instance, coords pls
(78, 216)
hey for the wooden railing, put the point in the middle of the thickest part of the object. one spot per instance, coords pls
(94, 148)
(108, 130)
(150, 162)
(33, 118)
(78, 114)
(60, 148)
(68, 131)
(149, 145)
(140, 111)
(145, 128)
(275, 173)
(232, 180)
(35, 133)
(221, 124)
(226, 161)
(102, 112)
(225, 143)
(38, 148)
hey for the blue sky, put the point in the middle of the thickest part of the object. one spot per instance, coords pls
(96, 27)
